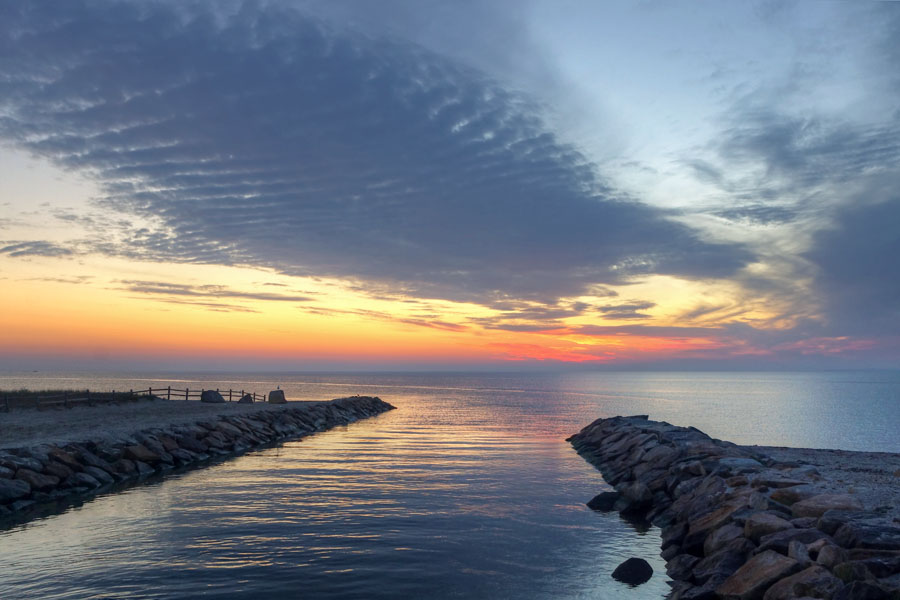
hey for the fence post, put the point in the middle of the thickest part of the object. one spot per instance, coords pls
(169, 393)
(229, 394)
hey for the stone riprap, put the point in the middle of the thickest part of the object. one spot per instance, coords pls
(737, 524)
(44, 478)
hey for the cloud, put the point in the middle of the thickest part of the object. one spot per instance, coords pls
(34, 248)
(626, 311)
(859, 267)
(158, 288)
(263, 137)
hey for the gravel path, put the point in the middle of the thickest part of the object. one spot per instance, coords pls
(874, 477)
(32, 428)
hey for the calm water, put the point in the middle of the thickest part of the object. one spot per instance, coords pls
(467, 490)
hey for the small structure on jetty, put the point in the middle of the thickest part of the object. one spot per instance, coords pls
(736, 524)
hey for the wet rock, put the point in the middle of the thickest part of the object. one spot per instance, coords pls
(815, 582)
(212, 397)
(817, 506)
(604, 501)
(13, 489)
(82, 479)
(633, 571)
(752, 580)
(6, 473)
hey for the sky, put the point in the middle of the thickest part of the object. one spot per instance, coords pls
(492, 184)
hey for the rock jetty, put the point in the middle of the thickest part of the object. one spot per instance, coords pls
(43, 479)
(737, 524)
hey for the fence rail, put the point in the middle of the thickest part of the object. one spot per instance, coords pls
(78, 398)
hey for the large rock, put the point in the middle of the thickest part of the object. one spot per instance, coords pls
(13, 489)
(38, 481)
(61, 456)
(815, 582)
(246, 399)
(817, 506)
(752, 580)
(82, 479)
(277, 397)
(604, 501)
(211, 396)
(141, 453)
(761, 524)
(633, 571)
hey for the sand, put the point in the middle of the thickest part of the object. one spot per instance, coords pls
(874, 477)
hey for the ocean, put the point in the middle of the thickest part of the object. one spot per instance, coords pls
(467, 490)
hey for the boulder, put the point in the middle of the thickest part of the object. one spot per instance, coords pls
(681, 567)
(13, 489)
(752, 580)
(211, 396)
(37, 481)
(6, 473)
(830, 555)
(57, 470)
(633, 571)
(246, 399)
(99, 474)
(277, 397)
(604, 501)
(724, 562)
(815, 582)
(861, 590)
(761, 524)
(781, 540)
(82, 479)
(139, 452)
(60, 455)
(720, 537)
(790, 495)
(816, 506)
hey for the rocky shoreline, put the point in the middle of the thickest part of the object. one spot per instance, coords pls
(738, 524)
(46, 478)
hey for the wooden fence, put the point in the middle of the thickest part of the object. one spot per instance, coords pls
(87, 397)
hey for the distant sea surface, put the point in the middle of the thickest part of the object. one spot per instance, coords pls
(468, 490)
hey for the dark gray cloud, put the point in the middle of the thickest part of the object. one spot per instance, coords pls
(161, 288)
(33, 248)
(626, 311)
(264, 138)
(859, 262)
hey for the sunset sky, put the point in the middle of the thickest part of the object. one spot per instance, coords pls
(425, 184)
